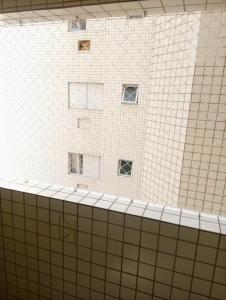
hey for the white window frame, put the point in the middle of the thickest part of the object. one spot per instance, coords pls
(87, 104)
(119, 168)
(124, 90)
(79, 163)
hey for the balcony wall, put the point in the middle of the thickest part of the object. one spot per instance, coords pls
(56, 243)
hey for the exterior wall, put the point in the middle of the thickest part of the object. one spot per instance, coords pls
(204, 163)
(175, 136)
(36, 127)
(59, 244)
(172, 70)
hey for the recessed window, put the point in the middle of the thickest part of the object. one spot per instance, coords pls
(83, 123)
(77, 25)
(83, 164)
(125, 167)
(84, 45)
(75, 163)
(86, 95)
(130, 94)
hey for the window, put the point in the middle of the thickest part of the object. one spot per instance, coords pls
(75, 162)
(86, 95)
(130, 94)
(84, 45)
(83, 123)
(77, 25)
(125, 167)
(87, 165)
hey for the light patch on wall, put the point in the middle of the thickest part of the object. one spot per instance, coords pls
(83, 123)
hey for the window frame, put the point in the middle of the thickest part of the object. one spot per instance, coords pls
(87, 105)
(123, 94)
(71, 25)
(119, 167)
(79, 163)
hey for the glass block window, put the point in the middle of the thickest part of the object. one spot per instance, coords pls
(125, 167)
(130, 94)
(84, 45)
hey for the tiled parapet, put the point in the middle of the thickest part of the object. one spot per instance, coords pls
(57, 243)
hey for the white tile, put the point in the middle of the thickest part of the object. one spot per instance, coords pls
(81, 192)
(123, 200)
(76, 10)
(190, 214)
(31, 183)
(154, 206)
(209, 226)
(93, 8)
(44, 13)
(189, 222)
(74, 198)
(95, 195)
(172, 210)
(118, 13)
(88, 201)
(111, 7)
(222, 220)
(43, 185)
(101, 14)
(208, 217)
(152, 214)
(59, 12)
(170, 218)
(55, 187)
(130, 5)
(103, 204)
(34, 190)
(151, 3)
(108, 197)
(28, 14)
(139, 203)
(223, 229)
(60, 195)
(54, 18)
(68, 190)
(46, 193)
(133, 210)
(119, 207)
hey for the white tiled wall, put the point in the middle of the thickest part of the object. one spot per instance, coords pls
(174, 135)
(184, 156)
(172, 70)
(36, 127)
(204, 163)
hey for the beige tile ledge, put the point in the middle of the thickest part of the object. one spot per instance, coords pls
(171, 215)
(17, 15)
